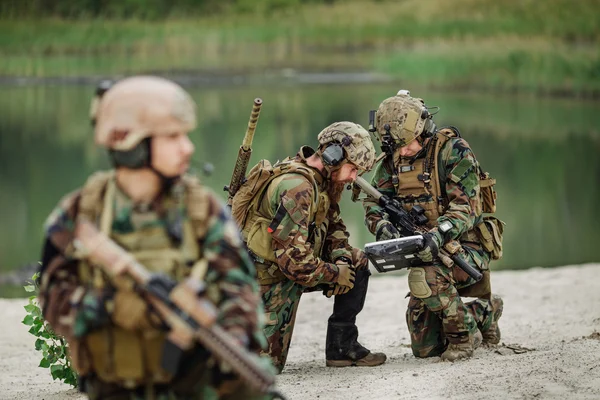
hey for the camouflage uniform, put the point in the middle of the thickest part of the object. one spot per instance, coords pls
(115, 339)
(438, 316)
(307, 237)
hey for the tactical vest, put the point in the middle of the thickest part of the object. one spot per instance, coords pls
(120, 353)
(253, 213)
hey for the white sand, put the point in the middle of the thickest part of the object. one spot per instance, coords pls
(553, 311)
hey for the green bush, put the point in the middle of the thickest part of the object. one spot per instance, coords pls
(54, 348)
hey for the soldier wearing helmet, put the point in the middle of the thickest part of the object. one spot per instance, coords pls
(290, 221)
(437, 170)
(169, 223)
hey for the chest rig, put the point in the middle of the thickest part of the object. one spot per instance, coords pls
(418, 183)
(122, 353)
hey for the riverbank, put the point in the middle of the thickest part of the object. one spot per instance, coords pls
(550, 334)
(466, 45)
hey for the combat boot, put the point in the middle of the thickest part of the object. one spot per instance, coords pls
(343, 350)
(491, 336)
(370, 360)
(459, 351)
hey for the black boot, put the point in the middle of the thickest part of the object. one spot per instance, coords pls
(341, 346)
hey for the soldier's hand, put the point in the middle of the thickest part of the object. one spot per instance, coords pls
(433, 241)
(336, 290)
(346, 275)
(385, 230)
(91, 315)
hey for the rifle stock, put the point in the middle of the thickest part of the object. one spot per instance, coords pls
(244, 153)
(405, 223)
(189, 317)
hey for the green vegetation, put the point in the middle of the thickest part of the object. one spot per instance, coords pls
(514, 45)
(53, 347)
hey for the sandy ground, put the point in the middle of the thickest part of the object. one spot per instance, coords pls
(553, 312)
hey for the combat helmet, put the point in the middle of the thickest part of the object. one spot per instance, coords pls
(343, 142)
(402, 119)
(135, 109)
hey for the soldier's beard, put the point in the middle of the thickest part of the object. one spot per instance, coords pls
(335, 191)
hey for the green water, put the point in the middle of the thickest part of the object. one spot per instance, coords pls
(544, 154)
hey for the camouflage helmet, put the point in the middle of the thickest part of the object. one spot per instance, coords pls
(139, 107)
(404, 116)
(357, 144)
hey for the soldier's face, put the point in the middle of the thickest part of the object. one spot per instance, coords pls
(410, 149)
(171, 154)
(346, 174)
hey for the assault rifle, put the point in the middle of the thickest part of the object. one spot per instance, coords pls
(188, 316)
(244, 153)
(411, 226)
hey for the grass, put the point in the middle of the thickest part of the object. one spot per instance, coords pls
(526, 45)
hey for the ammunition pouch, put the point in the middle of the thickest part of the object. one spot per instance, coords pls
(269, 273)
(488, 193)
(125, 357)
(490, 232)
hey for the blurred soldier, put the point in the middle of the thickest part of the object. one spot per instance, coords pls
(170, 224)
(291, 223)
(437, 170)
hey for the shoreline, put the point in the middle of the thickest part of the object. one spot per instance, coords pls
(290, 76)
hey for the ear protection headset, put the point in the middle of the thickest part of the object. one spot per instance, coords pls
(138, 157)
(333, 155)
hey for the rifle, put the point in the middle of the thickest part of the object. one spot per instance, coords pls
(189, 317)
(244, 153)
(411, 224)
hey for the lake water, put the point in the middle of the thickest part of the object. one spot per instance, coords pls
(544, 154)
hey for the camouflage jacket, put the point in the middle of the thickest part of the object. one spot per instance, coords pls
(293, 238)
(230, 278)
(459, 180)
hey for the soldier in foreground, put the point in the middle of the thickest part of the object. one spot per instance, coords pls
(169, 224)
(437, 170)
(290, 220)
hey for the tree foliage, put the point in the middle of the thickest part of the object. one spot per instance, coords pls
(141, 9)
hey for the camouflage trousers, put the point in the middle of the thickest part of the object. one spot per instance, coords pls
(281, 302)
(442, 317)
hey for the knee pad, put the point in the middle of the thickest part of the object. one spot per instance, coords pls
(418, 284)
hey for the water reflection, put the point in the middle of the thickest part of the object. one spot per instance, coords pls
(542, 152)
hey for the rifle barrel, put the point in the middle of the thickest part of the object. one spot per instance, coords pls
(367, 188)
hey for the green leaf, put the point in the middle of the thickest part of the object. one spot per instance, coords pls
(29, 288)
(44, 363)
(28, 320)
(57, 371)
(39, 343)
(30, 307)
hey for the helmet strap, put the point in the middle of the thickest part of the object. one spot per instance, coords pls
(135, 158)
(140, 157)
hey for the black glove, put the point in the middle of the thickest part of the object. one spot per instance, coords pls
(431, 248)
(386, 231)
(92, 313)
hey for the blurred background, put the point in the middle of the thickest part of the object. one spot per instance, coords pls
(520, 78)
